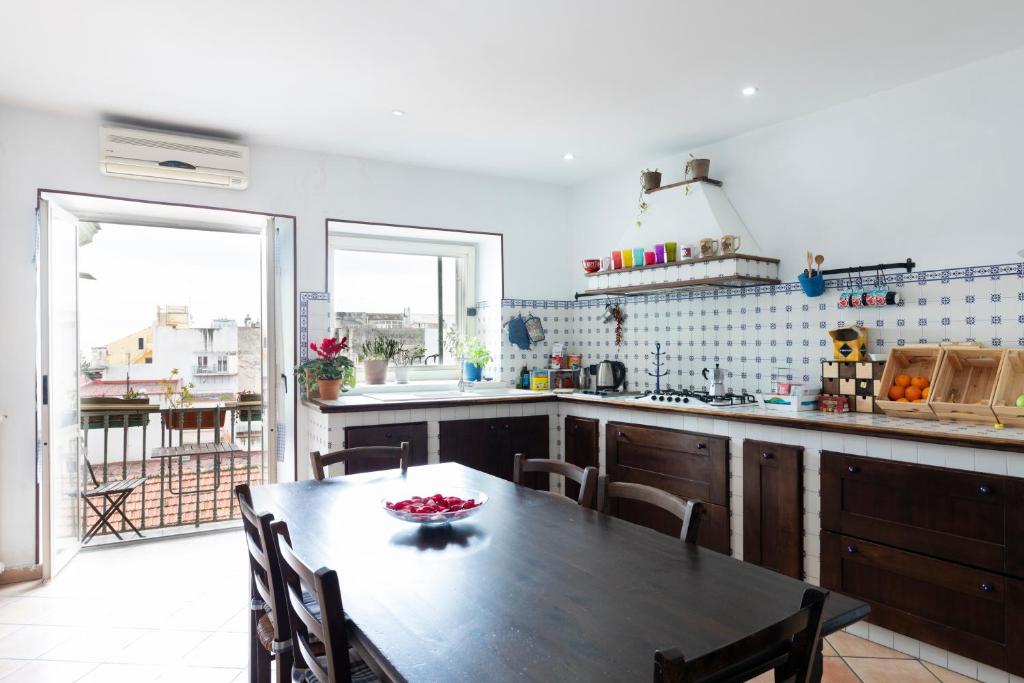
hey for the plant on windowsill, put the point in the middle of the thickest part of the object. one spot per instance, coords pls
(470, 352)
(375, 355)
(328, 370)
(407, 355)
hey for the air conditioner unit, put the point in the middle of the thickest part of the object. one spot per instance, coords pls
(149, 155)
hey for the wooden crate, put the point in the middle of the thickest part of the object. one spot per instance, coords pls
(919, 360)
(1009, 386)
(963, 388)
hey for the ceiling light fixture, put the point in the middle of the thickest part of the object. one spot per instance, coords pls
(749, 91)
(397, 112)
(568, 156)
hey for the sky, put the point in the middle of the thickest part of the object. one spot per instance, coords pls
(216, 274)
(389, 283)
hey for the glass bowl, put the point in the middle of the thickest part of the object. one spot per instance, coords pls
(437, 517)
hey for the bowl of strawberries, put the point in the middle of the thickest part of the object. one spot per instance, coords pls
(437, 508)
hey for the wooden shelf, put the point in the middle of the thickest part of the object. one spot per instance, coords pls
(724, 281)
(702, 179)
(690, 261)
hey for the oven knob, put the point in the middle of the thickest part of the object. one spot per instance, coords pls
(654, 398)
(686, 399)
(661, 398)
(678, 399)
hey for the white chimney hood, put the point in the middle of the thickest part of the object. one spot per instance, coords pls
(673, 215)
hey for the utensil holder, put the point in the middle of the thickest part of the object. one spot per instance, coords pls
(813, 285)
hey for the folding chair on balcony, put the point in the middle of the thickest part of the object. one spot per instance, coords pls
(115, 494)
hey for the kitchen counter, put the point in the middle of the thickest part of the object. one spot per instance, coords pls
(394, 400)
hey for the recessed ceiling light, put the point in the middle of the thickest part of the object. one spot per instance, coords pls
(749, 91)
(397, 112)
(568, 156)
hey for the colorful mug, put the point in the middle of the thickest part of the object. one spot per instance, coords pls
(685, 251)
(671, 251)
(650, 258)
(638, 256)
(659, 253)
(708, 247)
(627, 258)
(730, 244)
(616, 259)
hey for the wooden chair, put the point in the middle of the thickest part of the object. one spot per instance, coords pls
(115, 495)
(586, 478)
(269, 628)
(688, 511)
(788, 647)
(318, 625)
(320, 462)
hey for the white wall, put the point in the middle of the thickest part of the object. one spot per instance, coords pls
(43, 150)
(931, 170)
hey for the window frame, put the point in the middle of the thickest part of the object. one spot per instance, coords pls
(466, 255)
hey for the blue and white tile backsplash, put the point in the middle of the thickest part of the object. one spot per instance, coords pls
(754, 331)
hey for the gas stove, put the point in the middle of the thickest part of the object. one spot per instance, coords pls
(700, 397)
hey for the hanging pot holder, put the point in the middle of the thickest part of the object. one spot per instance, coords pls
(535, 329)
(517, 333)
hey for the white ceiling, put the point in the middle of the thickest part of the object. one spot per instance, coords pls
(489, 86)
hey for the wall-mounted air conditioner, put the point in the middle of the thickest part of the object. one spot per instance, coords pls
(149, 155)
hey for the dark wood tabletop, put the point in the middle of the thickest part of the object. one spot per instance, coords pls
(529, 588)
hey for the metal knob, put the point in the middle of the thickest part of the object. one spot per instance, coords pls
(853, 469)
(701, 446)
(491, 427)
(506, 426)
(767, 456)
(987, 587)
(984, 489)
(851, 549)
(621, 434)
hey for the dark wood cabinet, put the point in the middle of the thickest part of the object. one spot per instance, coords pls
(387, 435)
(579, 436)
(937, 552)
(490, 445)
(688, 464)
(773, 511)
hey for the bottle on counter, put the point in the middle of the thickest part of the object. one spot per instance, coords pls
(524, 378)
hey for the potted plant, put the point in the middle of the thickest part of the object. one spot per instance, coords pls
(697, 168)
(250, 413)
(327, 370)
(470, 352)
(110, 404)
(182, 398)
(407, 355)
(649, 180)
(375, 354)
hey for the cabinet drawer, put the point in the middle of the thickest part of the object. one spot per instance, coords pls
(688, 464)
(972, 612)
(969, 518)
(387, 435)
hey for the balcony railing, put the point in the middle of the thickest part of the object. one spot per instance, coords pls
(212, 370)
(191, 466)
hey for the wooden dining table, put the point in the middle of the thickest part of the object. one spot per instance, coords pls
(529, 588)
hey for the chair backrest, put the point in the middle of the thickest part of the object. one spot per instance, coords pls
(320, 462)
(308, 594)
(788, 647)
(586, 478)
(688, 511)
(264, 568)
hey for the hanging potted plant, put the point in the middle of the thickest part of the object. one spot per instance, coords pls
(470, 352)
(327, 370)
(697, 168)
(649, 180)
(407, 355)
(375, 354)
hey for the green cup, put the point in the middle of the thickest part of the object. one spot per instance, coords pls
(671, 251)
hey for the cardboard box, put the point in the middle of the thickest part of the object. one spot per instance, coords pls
(791, 403)
(849, 343)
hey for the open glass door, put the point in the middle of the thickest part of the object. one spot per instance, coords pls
(279, 348)
(61, 453)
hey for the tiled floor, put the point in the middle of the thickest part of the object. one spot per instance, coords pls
(175, 610)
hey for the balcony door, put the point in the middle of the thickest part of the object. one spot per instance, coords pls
(60, 440)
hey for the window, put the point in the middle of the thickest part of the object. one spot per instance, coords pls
(409, 289)
(142, 343)
(222, 364)
(202, 362)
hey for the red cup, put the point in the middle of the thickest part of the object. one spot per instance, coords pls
(649, 258)
(616, 259)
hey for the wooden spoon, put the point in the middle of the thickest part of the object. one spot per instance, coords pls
(818, 260)
(809, 266)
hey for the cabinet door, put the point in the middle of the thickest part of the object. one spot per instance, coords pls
(972, 612)
(387, 435)
(580, 438)
(528, 435)
(965, 517)
(773, 515)
(468, 442)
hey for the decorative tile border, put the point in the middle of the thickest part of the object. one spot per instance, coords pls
(304, 299)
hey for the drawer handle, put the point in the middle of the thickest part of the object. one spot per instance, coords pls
(984, 489)
(491, 427)
(853, 469)
(622, 435)
(851, 549)
(767, 456)
(575, 427)
(987, 587)
(506, 426)
(701, 446)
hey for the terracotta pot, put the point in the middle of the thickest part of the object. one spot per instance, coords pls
(402, 374)
(699, 168)
(329, 388)
(376, 371)
(651, 179)
(312, 391)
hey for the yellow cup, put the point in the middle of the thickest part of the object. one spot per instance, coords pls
(627, 258)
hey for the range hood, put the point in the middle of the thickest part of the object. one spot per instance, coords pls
(673, 215)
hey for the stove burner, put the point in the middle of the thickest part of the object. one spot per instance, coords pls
(686, 395)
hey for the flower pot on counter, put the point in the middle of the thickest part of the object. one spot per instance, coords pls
(329, 388)
(376, 371)
(473, 371)
(402, 374)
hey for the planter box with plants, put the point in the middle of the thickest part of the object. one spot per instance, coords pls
(111, 405)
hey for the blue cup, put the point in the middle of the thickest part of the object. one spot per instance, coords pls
(813, 285)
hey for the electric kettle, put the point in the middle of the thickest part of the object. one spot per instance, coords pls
(611, 375)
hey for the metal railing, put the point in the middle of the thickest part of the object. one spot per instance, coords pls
(224, 440)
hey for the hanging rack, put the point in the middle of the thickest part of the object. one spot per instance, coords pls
(908, 264)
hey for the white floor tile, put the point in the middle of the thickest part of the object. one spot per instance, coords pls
(49, 672)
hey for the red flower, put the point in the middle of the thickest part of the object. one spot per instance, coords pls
(330, 348)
